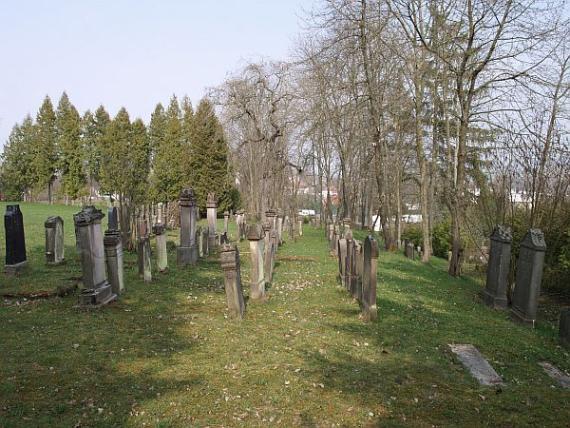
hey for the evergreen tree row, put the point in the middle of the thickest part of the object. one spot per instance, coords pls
(124, 159)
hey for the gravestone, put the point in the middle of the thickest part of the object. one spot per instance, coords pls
(300, 227)
(477, 365)
(271, 216)
(211, 209)
(97, 290)
(565, 327)
(495, 293)
(205, 242)
(334, 242)
(528, 277)
(267, 252)
(409, 250)
(112, 219)
(54, 241)
(226, 221)
(15, 240)
(229, 259)
(330, 232)
(255, 235)
(556, 374)
(187, 252)
(159, 231)
(369, 279)
(280, 227)
(241, 224)
(341, 251)
(359, 260)
(143, 253)
(114, 260)
(349, 264)
(224, 239)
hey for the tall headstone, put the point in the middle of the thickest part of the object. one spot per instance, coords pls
(226, 221)
(565, 327)
(267, 252)
(370, 263)
(300, 227)
(54, 240)
(280, 227)
(229, 259)
(114, 260)
(205, 242)
(159, 231)
(348, 264)
(495, 293)
(143, 253)
(112, 218)
(15, 240)
(409, 249)
(187, 252)
(211, 208)
(341, 251)
(255, 235)
(528, 277)
(359, 260)
(97, 290)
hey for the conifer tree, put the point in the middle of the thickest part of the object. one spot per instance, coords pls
(168, 177)
(16, 172)
(44, 156)
(68, 125)
(209, 152)
(93, 129)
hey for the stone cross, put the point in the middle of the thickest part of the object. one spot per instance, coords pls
(54, 241)
(211, 208)
(255, 235)
(565, 327)
(528, 277)
(229, 259)
(370, 263)
(187, 252)
(226, 221)
(97, 290)
(159, 231)
(114, 260)
(112, 219)
(16, 258)
(495, 293)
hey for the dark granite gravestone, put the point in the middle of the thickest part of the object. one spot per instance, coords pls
(112, 219)
(528, 277)
(495, 293)
(15, 240)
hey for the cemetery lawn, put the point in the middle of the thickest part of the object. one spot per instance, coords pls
(165, 355)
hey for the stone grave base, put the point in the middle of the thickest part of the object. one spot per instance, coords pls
(493, 301)
(518, 316)
(97, 297)
(15, 269)
(187, 255)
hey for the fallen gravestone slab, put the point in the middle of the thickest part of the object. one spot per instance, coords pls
(479, 367)
(558, 375)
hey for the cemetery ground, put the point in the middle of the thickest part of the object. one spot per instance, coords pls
(166, 355)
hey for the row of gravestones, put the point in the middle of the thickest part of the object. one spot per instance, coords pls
(357, 262)
(528, 277)
(264, 240)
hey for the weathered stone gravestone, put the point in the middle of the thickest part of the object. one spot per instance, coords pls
(495, 293)
(224, 239)
(477, 365)
(226, 221)
(565, 327)
(359, 261)
(528, 277)
(348, 260)
(334, 242)
(267, 252)
(369, 279)
(330, 234)
(409, 250)
(55, 249)
(143, 253)
(211, 209)
(205, 242)
(15, 240)
(341, 251)
(187, 252)
(255, 235)
(241, 224)
(114, 260)
(300, 227)
(97, 290)
(229, 259)
(159, 231)
(280, 227)
(112, 219)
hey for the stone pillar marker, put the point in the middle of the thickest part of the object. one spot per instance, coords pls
(97, 290)
(211, 207)
(187, 252)
(341, 251)
(143, 253)
(255, 235)
(300, 227)
(114, 258)
(359, 248)
(495, 293)
(159, 231)
(280, 227)
(370, 264)
(54, 241)
(226, 221)
(15, 240)
(528, 277)
(229, 259)
(565, 327)
(267, 252)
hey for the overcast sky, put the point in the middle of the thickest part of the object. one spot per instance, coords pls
(132, 53)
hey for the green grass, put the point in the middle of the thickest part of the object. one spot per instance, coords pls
(166, 355)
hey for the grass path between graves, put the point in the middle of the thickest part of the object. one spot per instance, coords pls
(165, 355)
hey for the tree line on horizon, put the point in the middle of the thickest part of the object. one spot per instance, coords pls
(128, 160)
